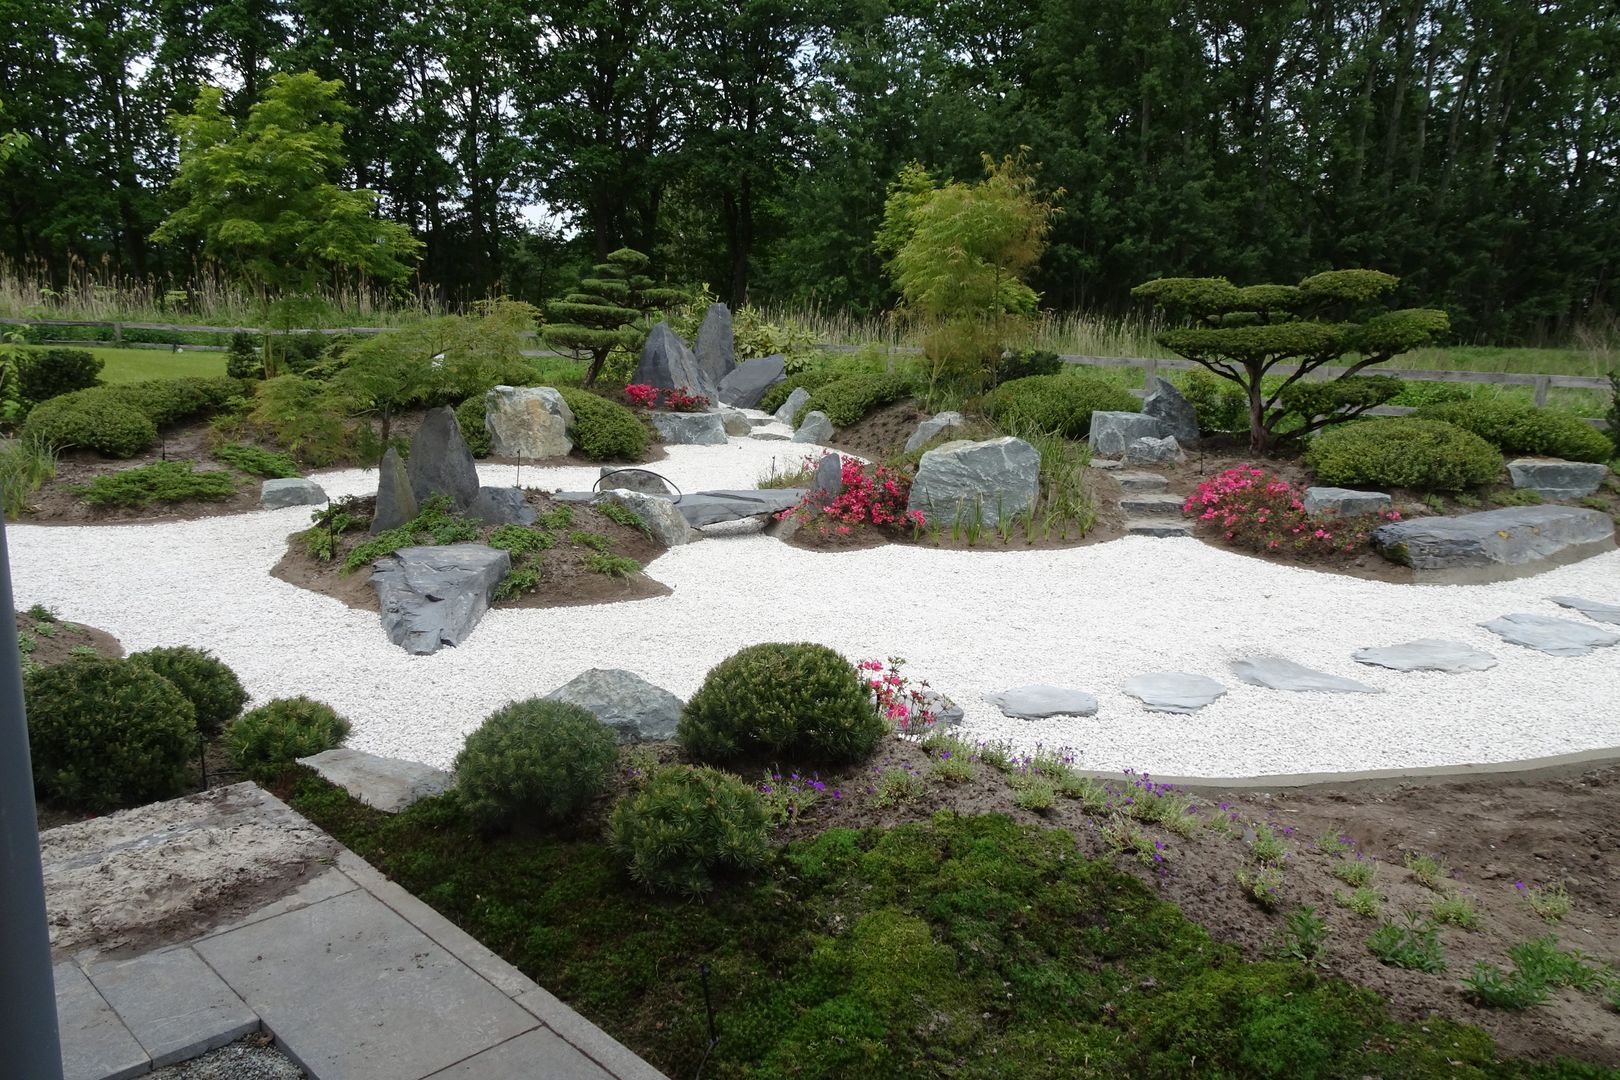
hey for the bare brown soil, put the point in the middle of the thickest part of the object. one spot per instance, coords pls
(46, 642)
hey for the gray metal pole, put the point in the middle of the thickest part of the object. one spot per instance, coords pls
(28, 1032)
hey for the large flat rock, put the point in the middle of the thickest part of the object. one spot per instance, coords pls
(1592, 609)
(1555, 478)
(1495, 544)
(1038, 701)
(1173, 691)
(434, 596)
(1556, 637)
(1346, 502)
(388, 784)
(689, 429)
(1427, 654)
(1278, 673)
(709, 507)
(746, 383)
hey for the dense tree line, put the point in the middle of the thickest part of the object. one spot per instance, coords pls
(1470, 147)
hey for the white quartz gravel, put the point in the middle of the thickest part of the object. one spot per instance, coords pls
(973, 623)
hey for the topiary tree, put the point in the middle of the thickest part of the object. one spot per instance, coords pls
(1243, 333)
(608, 311)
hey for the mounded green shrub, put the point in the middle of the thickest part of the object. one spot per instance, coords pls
(95, 422)
(1220, 404)
(1403, 452)
(470, 418)
(1514, 428)
(107, 733)
(174, 401)
(850, 398)
(795, 700)
(265, 742)
(257, 461)
(1059, 404)
(162, 481)
(776, 394)
(215, 693)
(687, 824)
(535, 759)
(604, 430)
(43, 374)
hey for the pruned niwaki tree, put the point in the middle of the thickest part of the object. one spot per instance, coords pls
(1243, 333)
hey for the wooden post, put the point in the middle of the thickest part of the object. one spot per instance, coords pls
(1541, 390)
(118, 334)
(1150, 370)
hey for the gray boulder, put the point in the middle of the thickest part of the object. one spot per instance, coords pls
(1150, 451)
(734, 422)
(1592, 609)
(667, 363)
(815, 429)
(689, 429)
(1165, 404)
(933, 427)
(798, 399)
(765, 435)
(947, 713)
(996, 479)
(1280, 674)
(440, 463)
(634, 709)
(291, 491)
(712, 507)
(828, 482)
(746, 383)
(642, 480)
(1038, 701)
(502, 506)
(716, 352)
(662, 519)
(1346, 502)
(1112, 432)
(1427, 654)
(1495, 544)
(1173, 691)
(528, 422)
(386, 784)
(396, 502)
(434, 596)
(1555, 479)
(1557, 637)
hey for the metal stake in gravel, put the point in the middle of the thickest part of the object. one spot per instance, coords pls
(27, 990)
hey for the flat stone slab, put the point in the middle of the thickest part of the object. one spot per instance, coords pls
(631, 707)
(1495, 544)
(1038, 701)
(1137, 483)
(1346, 502)
(709, 507)
(1278, 673)
(1555, 478)
(95, 1043)
(1592, 609)
(434, 596)
(515, 1060)
(352, 990)
(386, 784)
(1556, 637)
(290, 491)
(1427, 654)
(1173, 691)
(1153, 505)
(1161, 528)
(173, 1004)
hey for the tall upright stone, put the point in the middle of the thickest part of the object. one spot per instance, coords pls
(527, 422)
(668, 364)
(396, 502)
(440, 462)
(716, 351)
(1165, 404)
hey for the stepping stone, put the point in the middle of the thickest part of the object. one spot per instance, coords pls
(1494, 545)
(1556, 637)
(386, 784)
(708, 507)
(1592, 609)
(1105, 463)
(173, 1004)
(1173, 691)
(1037, 701)
(1427, 654)
(1152, 505)
(1141, 482)
(1279, 674)
(1159, 527)
(772, 434)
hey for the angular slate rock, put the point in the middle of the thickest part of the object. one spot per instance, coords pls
(386, 784)
(396, 502)
(632, 708)
(798, 399)
(668, 364)
(1165, 404)
(995, 480)
(642, 480)
(434, 596)
(947, 713)
(1556, 479)
(291, 491)
(1141, 483)
(1112, 432)
(1150, 451)
(1346, 502)
(715, 350)
(502, 506)
(1173, 691)
(1278, 673)
(1038, 700)
(689, 429)
(659, 514)
(440, 462)
(1495, 544)
(711, 507)
(746, 383)
(828, 482)
(815, 429)
(933, 427)
(764, 435)
(1556, 637)
(735, 423)
(1427, 654)
(1592, 609)
(528, 422)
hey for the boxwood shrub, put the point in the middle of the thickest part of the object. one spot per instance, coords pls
(215, 693)
(1059, 404)
(265, 742)
(604, 430)
(121, 421)
(685, 825)
(538, 760)
(1403, 452)
(43, 374)
(1516, 428)
(470, 418)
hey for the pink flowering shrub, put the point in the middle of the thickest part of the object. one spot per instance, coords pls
(1260, 511)
(643, 396)
(872, 495)
(901, 702)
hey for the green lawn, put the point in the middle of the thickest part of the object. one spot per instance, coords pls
(133, 365)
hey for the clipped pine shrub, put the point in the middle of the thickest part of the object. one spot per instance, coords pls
(686, 825)
(604, 430)
(174, 401)
(1515, 428)
(92, 421)
(43, 374)
(1403, 452)
(470, 418)
(257, 461)
(800, 701)
(107, 733)
(265, 742)
(160, 482)
(215, 693)
(852, 397)
(1060, 404)
(538, 760)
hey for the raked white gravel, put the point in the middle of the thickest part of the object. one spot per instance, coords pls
(970, 622)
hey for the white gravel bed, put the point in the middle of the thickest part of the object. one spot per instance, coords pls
(970, 622)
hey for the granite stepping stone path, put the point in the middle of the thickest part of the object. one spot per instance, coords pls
(1556, 637)
(1592, 609)
(1173, 691)
(1038, 701)
(1280, 674)
(1427, 654)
